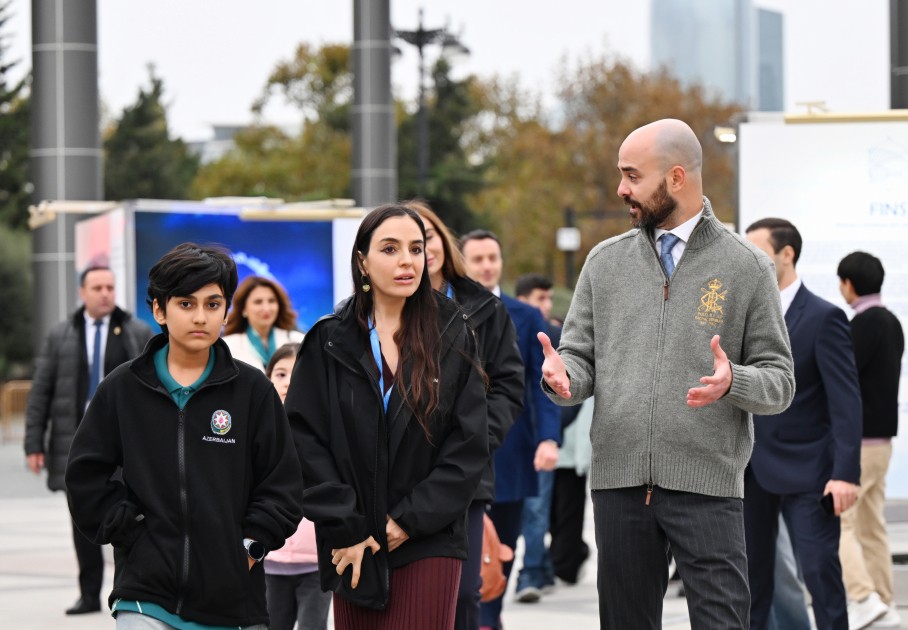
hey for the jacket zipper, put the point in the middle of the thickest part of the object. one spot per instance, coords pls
(377, 389)
(652, 418)
(181, 465)
(184, 507)
(652, 415)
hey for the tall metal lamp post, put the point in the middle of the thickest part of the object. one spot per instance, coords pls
(421, 38)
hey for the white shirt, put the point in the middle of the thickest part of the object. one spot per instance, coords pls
(90, 338)
(683, 233)
(497, 291)
(788, 294)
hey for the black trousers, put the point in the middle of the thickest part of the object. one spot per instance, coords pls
(91, 565)
(508, 518)
(467, 617)
(815, 540)
(706, 537)
(567, 549)
(296, 600)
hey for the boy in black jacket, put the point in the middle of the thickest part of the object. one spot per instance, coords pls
(184, 462)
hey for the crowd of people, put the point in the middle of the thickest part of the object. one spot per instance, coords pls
(722, 418)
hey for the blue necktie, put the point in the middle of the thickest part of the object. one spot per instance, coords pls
(668, 241)
(95, 372)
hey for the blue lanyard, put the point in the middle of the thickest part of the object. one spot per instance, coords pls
(376, 354)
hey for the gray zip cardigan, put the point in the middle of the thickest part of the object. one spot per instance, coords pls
(637, 341)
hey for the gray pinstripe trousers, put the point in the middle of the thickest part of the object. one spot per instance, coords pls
(706, 536)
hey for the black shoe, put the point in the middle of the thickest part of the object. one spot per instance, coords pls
(84, 605)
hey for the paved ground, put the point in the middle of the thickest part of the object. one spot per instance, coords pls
(38, 567)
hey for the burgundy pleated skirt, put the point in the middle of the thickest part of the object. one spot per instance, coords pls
(423, 597)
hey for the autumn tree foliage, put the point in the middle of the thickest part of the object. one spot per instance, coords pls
(500, 155)
(540, 163)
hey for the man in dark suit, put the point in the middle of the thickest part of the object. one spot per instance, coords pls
(561, 488)
(76, 355)
(532, 443)
(806, 461)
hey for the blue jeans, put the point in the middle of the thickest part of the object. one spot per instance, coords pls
(537, 568)
(789, 608)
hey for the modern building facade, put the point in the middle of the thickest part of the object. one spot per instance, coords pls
(730, 47)
(770, 61)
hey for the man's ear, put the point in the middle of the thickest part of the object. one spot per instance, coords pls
(677, 176)
(788, 253)
(846, 288)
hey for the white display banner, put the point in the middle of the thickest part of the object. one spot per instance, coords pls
(845, 186)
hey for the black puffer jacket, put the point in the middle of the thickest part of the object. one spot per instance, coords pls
(500, 358)
(195, 483)
(60, 384)
(361, 465)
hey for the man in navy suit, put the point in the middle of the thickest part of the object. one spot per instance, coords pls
(807, 452)
(532, 443)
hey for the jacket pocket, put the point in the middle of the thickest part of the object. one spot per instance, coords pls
(220, 577)
(143, 567)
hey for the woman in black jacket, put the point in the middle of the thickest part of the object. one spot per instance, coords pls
(500, 358)
(387, 406)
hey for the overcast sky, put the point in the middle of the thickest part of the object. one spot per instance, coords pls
(215, 55)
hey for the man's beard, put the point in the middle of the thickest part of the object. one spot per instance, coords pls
(654, 212)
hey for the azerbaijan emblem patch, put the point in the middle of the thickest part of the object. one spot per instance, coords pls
(220, 422)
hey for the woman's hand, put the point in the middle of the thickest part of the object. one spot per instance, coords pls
(395, 535)
(353, 556)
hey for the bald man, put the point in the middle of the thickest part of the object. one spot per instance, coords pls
(676, 329)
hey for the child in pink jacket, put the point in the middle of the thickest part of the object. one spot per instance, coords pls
(292, 584)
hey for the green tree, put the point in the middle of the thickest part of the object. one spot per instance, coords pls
(16, 293)
(15, 187)
(317, 81)
(451, 177)
(313, 163)
(266, 161)
(141, 160)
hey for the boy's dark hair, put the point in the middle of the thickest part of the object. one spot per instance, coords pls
(88, 270)
(287, 350)
(781, 233)
(864, 270)
(479, 235)
(187, 268)
(529, 282)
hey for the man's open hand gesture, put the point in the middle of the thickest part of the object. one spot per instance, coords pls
(715, 386)
(553, 370)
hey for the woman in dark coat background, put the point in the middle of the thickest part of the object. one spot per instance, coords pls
(501, 360)
(388, 409)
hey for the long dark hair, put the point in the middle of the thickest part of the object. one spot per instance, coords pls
(418, 338)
